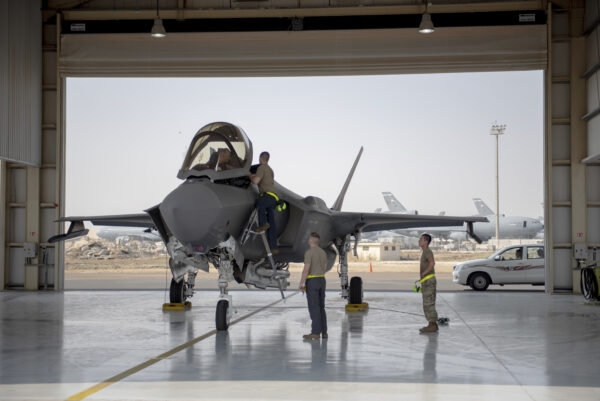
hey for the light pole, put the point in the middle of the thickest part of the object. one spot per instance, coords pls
(497, 130)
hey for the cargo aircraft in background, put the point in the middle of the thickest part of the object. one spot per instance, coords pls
(211, 216)
(510, 226)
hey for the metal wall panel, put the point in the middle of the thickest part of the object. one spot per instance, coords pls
(561, 228)
(591, 44)
(49, 147)
(4, 77)
(20, 81)
(593, 183)
(563, 277)
(560, 24)
(560, 59)
(593, 225)
(48, 225)
(46, 273)
(18, 185)
(49, 74)
(561, 184)
(16, 267)
(561, 142)
(593, 93)
(16, 224)
(591, 13)
(49, 113)
(47, 186)
(561, 99)
(594, 136)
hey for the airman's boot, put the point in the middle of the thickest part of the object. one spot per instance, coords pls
(311, 336)
(324, 335)
(432, 327)
(262, 228)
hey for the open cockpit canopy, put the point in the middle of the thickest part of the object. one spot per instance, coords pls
(218, 151)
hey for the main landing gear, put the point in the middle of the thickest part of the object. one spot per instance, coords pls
(353, 292)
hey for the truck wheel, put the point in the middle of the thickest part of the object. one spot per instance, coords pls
(176, 292)
(221, 320)
(479, 281)
(356, 290)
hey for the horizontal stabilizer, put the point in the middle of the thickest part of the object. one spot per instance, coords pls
(76, 230)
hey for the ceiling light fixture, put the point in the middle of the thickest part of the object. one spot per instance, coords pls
(426, 25)
(158, 30)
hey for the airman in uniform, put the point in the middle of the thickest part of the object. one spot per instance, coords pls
(267, 200)
(313, 282)
(428, 284)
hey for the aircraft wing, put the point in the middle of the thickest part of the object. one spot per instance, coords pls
(77, 228)
(353, 222)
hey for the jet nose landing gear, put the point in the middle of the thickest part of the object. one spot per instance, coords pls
(225, 301)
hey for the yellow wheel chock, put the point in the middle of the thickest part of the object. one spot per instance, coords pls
(177, 306)
(357, 307)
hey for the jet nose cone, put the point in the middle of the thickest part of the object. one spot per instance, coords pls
(192, 212)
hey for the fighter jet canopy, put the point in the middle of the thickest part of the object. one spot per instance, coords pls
(218, 151)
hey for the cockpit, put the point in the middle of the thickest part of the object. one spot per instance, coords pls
(218, 151)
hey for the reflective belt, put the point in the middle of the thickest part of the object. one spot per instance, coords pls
(315, 276)
(281, 206)
(273, 195)
(426, 278)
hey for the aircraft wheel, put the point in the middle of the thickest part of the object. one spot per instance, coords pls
(176, 292)
(479, 282)
(356, 290)
(221, 319)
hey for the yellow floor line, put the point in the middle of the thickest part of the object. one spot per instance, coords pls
(94, 389)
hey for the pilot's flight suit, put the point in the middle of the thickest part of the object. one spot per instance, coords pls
(266, 202)
(315, 289)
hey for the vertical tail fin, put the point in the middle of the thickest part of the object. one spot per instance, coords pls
(482, 208)
(340, 199)
(392, 203)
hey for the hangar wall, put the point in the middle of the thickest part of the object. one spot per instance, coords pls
(29, 181)
(592, 119)
(20, 81)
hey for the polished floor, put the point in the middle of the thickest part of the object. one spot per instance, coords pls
(114, 345)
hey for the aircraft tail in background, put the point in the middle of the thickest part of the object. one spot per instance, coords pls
(392, 203)
(482, 208)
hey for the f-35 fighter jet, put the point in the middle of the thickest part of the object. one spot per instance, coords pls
(210, 219)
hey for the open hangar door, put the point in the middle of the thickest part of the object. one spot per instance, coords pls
(93, 39)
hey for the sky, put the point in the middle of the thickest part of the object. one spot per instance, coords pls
(426, 137)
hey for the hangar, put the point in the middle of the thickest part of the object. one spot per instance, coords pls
(45, 42)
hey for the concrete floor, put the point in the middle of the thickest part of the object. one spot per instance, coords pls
(498, 346)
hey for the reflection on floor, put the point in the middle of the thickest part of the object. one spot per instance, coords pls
(522, 346)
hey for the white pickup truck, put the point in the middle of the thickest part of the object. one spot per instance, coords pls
(516, 264)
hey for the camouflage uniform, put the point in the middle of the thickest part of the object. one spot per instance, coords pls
(428, 288)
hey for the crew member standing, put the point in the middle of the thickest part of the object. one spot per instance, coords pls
(267, 200)
(313, 281)
(428, 284)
